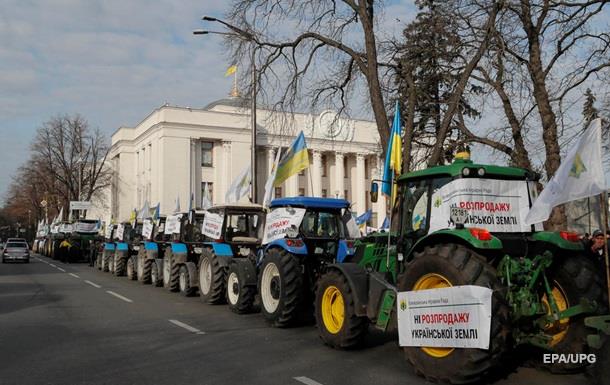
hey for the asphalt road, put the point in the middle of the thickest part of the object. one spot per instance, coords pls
(72, 324)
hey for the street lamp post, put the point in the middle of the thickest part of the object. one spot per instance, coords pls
(248, 37)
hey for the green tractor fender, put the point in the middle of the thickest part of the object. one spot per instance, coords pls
(555, 239)
(466, 237)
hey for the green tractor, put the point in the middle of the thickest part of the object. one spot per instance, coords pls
(462, 225)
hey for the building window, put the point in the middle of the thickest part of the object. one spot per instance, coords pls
(206, 154)
(324, 166)
(301, 192)
(210, 191)
(302, 172)
(345, 195)
(366, 168)
(149, 156)
(278, 192)
(324, 193)
(345, 168)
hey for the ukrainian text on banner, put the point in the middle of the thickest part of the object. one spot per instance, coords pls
(108, 231)
(120, 229)
(212, 225)
(280, 220)
(453, 317)
(147, 229)
(172, 224)
(496, 205)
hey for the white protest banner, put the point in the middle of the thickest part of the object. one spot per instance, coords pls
(66, 228)
(496, 205)
(86, 227)
(172, 224)
(80, 205)
(147, 228)
(212, 225)
(452, 317)
(120, 229)
(281, 219)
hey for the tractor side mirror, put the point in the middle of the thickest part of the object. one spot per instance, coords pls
(374, 192)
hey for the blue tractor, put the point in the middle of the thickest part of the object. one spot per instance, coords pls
(149, 251)
(107, 254)
(302, 236)
(235, 232)
(127, 245)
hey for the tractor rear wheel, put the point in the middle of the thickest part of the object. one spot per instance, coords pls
(144, 270)
(211, 278)
(281, 288)
(106, 258)
(572, 279)
(119, 266)
(185, 282)
(338, 326)
(239, 297)
(448, 265)
(132, 273)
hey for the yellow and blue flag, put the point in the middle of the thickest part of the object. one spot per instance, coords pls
(393, 157)
(231, 70)
(293, 161)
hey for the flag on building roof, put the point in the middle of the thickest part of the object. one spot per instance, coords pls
(393, 157)
(240, 186)
(580, 175)
(231, 70)
(293, 161)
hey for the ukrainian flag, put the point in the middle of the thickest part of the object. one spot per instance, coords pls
(231, 70)
(293, 161)
(393, 160)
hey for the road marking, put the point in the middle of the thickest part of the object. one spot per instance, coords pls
(119, 296)
(74, 275)
(93, 284)
(50, 264)
(185, 326)
(307, 381)
(60, 269)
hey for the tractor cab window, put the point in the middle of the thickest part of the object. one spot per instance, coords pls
(196, 226)
(243, 227)
(349, 223)
(415, 206)
(320, 224)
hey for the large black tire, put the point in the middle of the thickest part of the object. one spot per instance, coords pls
(120, 266)
(106, 259)
(240, 298)
(171, 272)
(212, 278)
(575, 277)
(132, 273)
(184, 280)
(281, 288)
(146, 270)
(338, 325)
(460, 266)
(156, 273)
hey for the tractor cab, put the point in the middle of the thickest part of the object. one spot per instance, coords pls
(239, 226)
(320, 227)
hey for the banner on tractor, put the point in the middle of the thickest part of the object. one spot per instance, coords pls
(120, 229)
(147, 228)
(452, 317)
(108, 231)
(496, 205)
(212, 225)
(172, 224)
(280, 220)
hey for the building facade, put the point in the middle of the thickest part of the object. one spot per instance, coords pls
(176, 152)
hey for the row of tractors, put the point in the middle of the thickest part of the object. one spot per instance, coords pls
(69, 241)
(452, 226)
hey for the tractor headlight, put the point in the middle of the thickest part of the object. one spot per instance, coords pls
(465, 171)
(481, 171)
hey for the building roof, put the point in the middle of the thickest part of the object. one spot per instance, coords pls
(311, 202)
(237, 102)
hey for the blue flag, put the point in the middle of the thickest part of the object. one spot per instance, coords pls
(386, 224)
(364, 217)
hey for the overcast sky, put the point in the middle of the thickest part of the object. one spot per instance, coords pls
(112, 61)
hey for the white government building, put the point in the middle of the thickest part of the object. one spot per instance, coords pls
(175, 151)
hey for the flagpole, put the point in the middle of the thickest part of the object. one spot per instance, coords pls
(604, 206)
(387, 261)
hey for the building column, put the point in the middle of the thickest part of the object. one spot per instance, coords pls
(338, 186)
(227, 175)
(360, 193)
(380, 206)
(316, 174)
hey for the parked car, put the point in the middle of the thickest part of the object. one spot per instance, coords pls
(16, 251)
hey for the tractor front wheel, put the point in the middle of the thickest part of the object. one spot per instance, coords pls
(156, 273)
(171, 272)
(447, 265)
(338, 325)
(211, 278)
(185, 282)
(239, 297)
(281, 288)
(132, 273)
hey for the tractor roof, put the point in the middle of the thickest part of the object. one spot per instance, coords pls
(238, 206)
(311, 202)
(455, 169)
